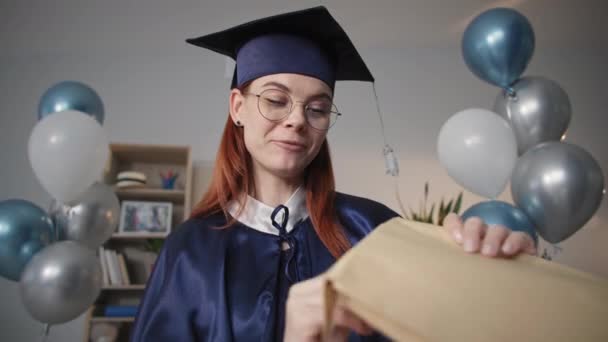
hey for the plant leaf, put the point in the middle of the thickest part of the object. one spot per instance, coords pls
(448, 208)
(440, 219)
(429, 218)
(458, 203)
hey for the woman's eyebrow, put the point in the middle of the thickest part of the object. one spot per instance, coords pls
(278, 85)
(287, 89)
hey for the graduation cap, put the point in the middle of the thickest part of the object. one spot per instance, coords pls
(308, 42)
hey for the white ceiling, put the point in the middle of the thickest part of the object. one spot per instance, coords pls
(50, 25)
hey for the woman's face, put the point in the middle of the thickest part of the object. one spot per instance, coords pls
(284, 147)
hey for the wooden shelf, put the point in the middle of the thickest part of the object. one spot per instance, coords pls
(123, 287)
(152, 161)
(149, 194)
(112, 319)
(151, 153)
(131, 236)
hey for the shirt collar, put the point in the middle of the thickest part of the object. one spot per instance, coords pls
(257, 215)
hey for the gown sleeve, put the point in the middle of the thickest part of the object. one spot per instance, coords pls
(164, 312)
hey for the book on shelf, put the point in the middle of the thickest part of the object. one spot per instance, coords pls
(115, 267)
(123, 270)
(104, 267)
(120, 311)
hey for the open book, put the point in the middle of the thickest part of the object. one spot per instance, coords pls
(411, 282)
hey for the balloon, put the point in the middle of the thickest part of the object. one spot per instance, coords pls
(71, 95)
(24, 230)
(478, 149)
(60, 282)
(92, 220)
(539, 112)
(497, 46)
(502, 213)
(559, 186)
(67, 151)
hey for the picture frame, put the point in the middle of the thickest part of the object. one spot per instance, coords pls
(145, 217)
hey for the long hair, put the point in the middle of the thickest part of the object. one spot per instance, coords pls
(232, 177)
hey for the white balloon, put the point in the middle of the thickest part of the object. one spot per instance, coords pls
(479, 151)
(67, 151)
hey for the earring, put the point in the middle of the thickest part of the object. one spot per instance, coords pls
(238, 123)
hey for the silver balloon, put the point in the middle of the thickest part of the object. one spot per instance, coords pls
(539, 112)
(92, 220)
(60, 282)
(560, 186)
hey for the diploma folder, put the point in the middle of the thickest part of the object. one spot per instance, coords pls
(411, 282)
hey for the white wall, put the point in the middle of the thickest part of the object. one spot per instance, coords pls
(158, 89)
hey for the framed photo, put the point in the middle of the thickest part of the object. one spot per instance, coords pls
(140, 217)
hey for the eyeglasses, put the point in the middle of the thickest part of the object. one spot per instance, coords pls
(276, 105)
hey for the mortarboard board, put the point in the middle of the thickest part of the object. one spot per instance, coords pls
(309, 42)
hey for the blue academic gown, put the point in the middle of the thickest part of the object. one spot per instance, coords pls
(231, 284)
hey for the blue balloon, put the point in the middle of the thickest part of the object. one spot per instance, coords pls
(24, 230)
(502, 213)
(71, 95)
(498, 45)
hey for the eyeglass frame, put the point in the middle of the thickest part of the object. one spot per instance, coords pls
(293, 102)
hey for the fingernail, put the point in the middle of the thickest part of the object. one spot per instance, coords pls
(487, 249)
(468, 245)
(507, 248)
(458, 236)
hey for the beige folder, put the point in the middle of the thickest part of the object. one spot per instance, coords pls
(411, 282)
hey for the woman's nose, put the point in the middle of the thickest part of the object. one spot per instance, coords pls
(297, 118)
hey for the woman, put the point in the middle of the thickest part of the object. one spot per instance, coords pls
(248, 265)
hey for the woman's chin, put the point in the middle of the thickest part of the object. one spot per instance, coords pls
(290, 170)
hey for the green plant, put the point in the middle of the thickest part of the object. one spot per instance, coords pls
(452, 206)
(154, 245)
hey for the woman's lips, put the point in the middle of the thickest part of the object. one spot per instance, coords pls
(292, 146)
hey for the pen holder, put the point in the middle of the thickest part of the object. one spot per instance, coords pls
(168, 180)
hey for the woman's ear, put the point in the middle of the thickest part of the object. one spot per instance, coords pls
(236, 105)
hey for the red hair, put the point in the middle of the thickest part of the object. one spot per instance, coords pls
(232, 176)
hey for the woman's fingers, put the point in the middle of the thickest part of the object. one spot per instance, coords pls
(475, 236)
(495, 236)
(305, 314)
(310, 286)
(473, 232)
(518, 242)
(453, 224)
(346, 319)
(339, 334)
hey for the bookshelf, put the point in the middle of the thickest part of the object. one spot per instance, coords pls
(135, 247)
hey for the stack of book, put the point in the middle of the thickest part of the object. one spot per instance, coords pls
(113, 267)
(120, 311)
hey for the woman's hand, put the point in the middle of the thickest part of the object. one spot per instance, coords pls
(475, 236)
(305, 315)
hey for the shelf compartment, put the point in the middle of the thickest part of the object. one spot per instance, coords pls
(100, 319)
(151, 194)
(131, 236)
(135, 287)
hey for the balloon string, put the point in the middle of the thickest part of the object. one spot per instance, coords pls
(53, 219)
(47, 328)
(391, 161)
(511, 97)
(379, 113)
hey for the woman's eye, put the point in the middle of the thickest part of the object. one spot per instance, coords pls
(276, 102)
(320, 108)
